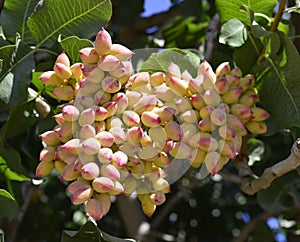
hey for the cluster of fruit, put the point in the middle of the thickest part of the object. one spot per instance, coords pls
(120, 130)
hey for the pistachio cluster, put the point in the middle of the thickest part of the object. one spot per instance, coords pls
(120, 130)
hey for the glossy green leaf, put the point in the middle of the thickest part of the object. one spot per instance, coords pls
(36, 80)
(233, 33)
(72, 45)
(246, 56)
(229, 9)
(185, 59)
(89, 232)
(69, 17)
(15, 75)
(279, 84)
(10, 165)
(8, 205)
(276, 198)
(14, 18)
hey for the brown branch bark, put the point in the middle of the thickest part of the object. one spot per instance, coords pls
(251, 184)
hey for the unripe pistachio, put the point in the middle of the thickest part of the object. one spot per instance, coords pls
(206, 111)
(197, 101)
(173, 131)
(236, 71)
(237, 124)
(218, 117)
(232, 95)
(100, 113)
(66, 130)
(50, 78)
(99, 126)
(188, 130)
(157, 197)
(158, 136)
(139, 80)
(105, 202)
(190, 116)
(164, 92)
(90, 171)
(227, 148)
(133, 97)
(59, 119)
(222, 85)
(105, 138)
(95, 76)
(178, 86)
(82, 194)
(94, 209)
(256, 127)
(207, 143)
(206, 125)
(166, 113)
(103, 42)
(110, 84)
(87, 116)
(227, 132)
(211, 98)
(111, 108)
(223, 69)
(131, 118)
(102, 184)
(233, 80)
(119, 159)
(247, 82)
(130, 185)
(102, 97)
(121, 52)
(122, 101)
(71, 159)
(134, 135)
(197, 158)
(110, 171)
(181, 150)
(249, 99)
(75, 185)
(105, 155)
(118, 188)
(91, 146)
(259, 114)
(150, 119)
(118, 134)
(70, 113)
(241, 111)
(50, 138)
(62, 71)
(146, 103)
(88, 88)
(173, 70)
(64, 93)
(69, 174)
(163, 160)
(196, 85)
(44, 168)
(76, 70)
(63, 59)
(88, 55)
(157, 78)
(148, 207)
(212, 162)
(148, 153)
(47, 154)
(161, 184)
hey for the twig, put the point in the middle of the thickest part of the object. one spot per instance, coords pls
(278, 15)
(250, 184)
(211, 35)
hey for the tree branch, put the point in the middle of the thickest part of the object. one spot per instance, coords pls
(278, 15)
(250, 184)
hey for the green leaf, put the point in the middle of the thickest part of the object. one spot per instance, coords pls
(72, 45)
(10, 165)
(15, 75)
(233, 33)
(20, 119)
(8, 205)
(279, 84)
(89, 232)
(247, 55)
(52, 18)
(185, 59)
(276, 198)
(36, 80)
(14, 16)
(229, 9)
